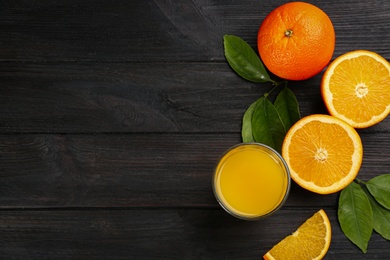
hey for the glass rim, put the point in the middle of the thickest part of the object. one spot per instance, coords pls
(286, 170)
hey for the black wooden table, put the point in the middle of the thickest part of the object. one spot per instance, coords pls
(113, 114)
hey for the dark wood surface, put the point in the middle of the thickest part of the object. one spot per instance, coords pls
(114, 113)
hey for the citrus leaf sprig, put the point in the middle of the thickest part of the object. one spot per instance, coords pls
(264, 122)
(243, 59)
(364, 207)
(355, 215)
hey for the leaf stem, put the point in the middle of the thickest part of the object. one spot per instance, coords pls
(275, 85)
(358, 181)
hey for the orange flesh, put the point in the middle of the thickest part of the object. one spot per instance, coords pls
(319, 155)
(363, 84)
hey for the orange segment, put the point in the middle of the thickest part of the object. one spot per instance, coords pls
(356, 88)
(310, 241)
(324, 153)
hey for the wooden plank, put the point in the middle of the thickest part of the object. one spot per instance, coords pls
(99, 30)
(162, 234)
(154, 97)
(131, 170)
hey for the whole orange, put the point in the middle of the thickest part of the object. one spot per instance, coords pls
(296, 41)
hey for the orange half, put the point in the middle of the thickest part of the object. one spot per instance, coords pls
(356, 88)
(324, 153)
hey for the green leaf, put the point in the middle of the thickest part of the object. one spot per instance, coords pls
(379, 187)
(267, 127)
(243, 59)
(246, 132)
(288, 108)
(381, 218)
(355, 215)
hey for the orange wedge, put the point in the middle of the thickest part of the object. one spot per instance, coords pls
(356, 88)
(310, 241)
(324, 153)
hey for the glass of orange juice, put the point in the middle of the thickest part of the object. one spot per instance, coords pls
(251, 181)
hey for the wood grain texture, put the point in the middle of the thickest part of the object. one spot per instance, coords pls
(137, 170)
(165, 30)
(157, 234)
(152, 97)
(114, 113)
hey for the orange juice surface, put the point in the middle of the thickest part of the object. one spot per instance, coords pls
(251, 181)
